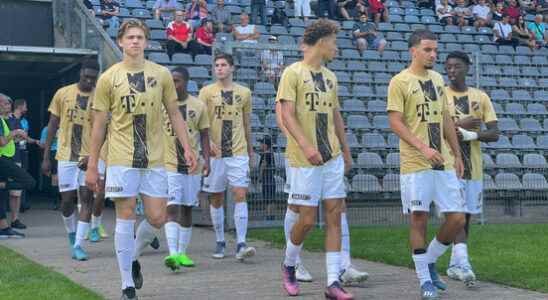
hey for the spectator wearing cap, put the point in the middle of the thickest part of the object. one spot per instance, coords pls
(109, 13)
(503, 32)
(513, 11)
(179, 34)
(272, 62)
(245, 32)
(464, 13)
(221, 17)
(205, 37)
(445, 13)
(258, 12)
(196, 12)
(482, 14)
(164, 9)
(538, 31)
(366, 36)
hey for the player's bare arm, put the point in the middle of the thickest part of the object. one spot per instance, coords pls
(204, 140)
(247, 132)
(449, 132)
(98, 131)
(53, 126)
(279, 118)
(179, 125)
(341, 135)
(400, 129)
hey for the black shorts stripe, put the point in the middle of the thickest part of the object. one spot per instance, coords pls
(466, 150)
(322, 138)
(182, 167)
(76, 142)
(140, 147)
(226, 139)
(434, 137)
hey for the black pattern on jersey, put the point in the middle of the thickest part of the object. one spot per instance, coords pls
(76, 142)
(428, 90)
(82, 101)
(434, 137)
(228, 97)
(466, 151)
(140, 147)
(462, 105)
(226, 139)
(136, 82)
(319, 84)
(322, 137)
(182, 167)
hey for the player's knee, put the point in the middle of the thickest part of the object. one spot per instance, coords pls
(308, 222)
(239, 194)
(458, 220)
(157, 220)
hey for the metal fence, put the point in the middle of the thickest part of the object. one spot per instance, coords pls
(515, 187)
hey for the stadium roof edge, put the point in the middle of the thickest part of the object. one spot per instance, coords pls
(46, 50)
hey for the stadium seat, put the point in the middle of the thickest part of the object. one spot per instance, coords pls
(198, 72)
(182, 59)
(356, 66)
(365, 183)
(527, 83)
(155, 24)
(362, 91)
(530, 124)
(536, 109)
(522, 60)
(270, 121)
(279, 160)
(502, 143)
(358, 122)
(539, 60)
(542, 142)
(264, 88)
(391, 182)
(521, 95)
(376, 106)
(141, 13)
(381, 122)
(353, 105)
(393, 160)
(361, 77)
(515, 109)
(488, 183)
(369, 160)
(507, 181)
(159, 58)
(255, 121)
(508, 160)
(507, 124)
(540, 95)
(192, 86)
(487, 161)
(352, 140)
(393, 141)
(343, 91)
(158, 35)
(522, 141)
(534, 160)
(373, 141)
(534, 181)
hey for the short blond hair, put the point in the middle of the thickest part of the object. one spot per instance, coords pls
(132, 23)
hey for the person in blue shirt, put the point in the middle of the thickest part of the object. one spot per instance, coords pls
(538, 31)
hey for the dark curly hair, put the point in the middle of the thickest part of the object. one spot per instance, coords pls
(459, 55)
(319, 29)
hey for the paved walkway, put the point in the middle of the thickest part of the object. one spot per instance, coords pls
(258, 278)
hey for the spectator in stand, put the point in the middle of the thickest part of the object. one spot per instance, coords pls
(221, 17)
(197, 11)
(463, 13)
(165, 9)
(378, 11)
(482, 14)
(258, 12)
(246, 32)
(205, 37)
(366, 36)
(267, 169)
(498, 12)
(54, 191)
(179, 34)
(503, 32)
(520, 31)
(327, 9)
(445, 13)
(538, 32)
(528, 6)
(513, 11)
(302, 9)
(344, 7)
(542, 8)
(272, 62)
(109, 13)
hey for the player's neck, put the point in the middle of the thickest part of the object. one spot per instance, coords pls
(81, 89)
(225, 83)
(459, 86)
(134, 62)
(312, 60)
(182, 96)
(417, 69)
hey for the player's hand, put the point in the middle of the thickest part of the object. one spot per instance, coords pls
(92, 179)
(459, 166)
(190, 159)
(347, 162)
(433, 156)
(205, 170)
(313, 156)
(214, 150)
(46, 167)
(83, 163)
(470, 123)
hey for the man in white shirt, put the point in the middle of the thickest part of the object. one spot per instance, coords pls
(503, 32)
(246, 32)
(482, 14)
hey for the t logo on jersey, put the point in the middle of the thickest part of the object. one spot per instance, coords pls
(219, 111)
(82, 101)
(461, 104)
(423, 110)
(136, 82)
(71, 113)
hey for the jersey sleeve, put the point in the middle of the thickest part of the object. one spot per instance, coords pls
(169, 94)
(489, 114)
(204, 95)
(287, 89)
(102, 99)
(395, 96)
(336, 103)
(247, 102)
(55, 105)
(203, 122)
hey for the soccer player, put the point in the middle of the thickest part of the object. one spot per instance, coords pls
(70, 113)
(419, 114)
(135, 91)
(183, 186)
(349, 274)
(310, 113)
(229, 108)
(472, 107)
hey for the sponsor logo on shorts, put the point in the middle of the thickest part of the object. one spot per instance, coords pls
(114, 189)
(416, 203)
(300, 197)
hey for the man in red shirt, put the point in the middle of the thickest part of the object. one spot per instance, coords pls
(179, 34)
(204, 39)
(378, 11)
(513, 10)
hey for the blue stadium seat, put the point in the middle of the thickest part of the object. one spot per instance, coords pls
(534, 161)
(182, 59)
(264, 88)
(522, 60)
(296, 22)
(362, 91)
(373, 141)
(393, 160)
(393, 141)
(391, 182)
(343, 76)
(376, 106)
(435, 28)
(521, 95)
(527, 83)
(270, 121)
(534, 181)
(522, 141)
(296, 31)
(411, 19)
(508, 181)
(351, 53)
(158, 35)
(488, 183)
(508, 82)
(536, 109)
(523, 50)
(286, 40)
(502, 143)
(369, 160)
(540, 95)
(343, 91)
(155, 24)
(386, 27)
(381, 122)
(498, 108)
(246, 74)
(365, 183)
(352, 140)
(337, 65)
(530, 124)
(361, 77)
(353, 105)
(203, 60)
(390, 55)
(198, 72)
(401, 27)
(357, 122)
(428, 20)
(488, 162)
(371, 55)
(539, 60)
(377, 66)
(192, 86)
(258, 104)
(278, 30)
(499, 95)
(507, 124)
(159, 58)
(452, 29)
(255, 121)
(515, 109)
(508, 160)
(530, 71)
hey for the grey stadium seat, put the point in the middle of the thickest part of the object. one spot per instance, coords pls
(159, 58)
(358, 122)
(488, 183)
(369, 160)
(502, 143)
(352, 140)
(393, 160)
(393, 141)
(381, 122)
(376, 106)
(542, 142)
(365, 183)
(353, 105)
(507, 124)
(533, 181)
(534, 160)
(198, 72)
(373, 140)
(507, 181)
(508, 160)
(522, 141)
(530, 124)
(487, 161)
(391, 182)
(182, 59)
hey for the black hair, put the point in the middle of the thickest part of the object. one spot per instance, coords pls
(183, 71)
(91, 64)
(18, 103)
(319, 29)
(419, 35)
(459, 55)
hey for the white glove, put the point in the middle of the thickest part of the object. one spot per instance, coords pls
(468, 135)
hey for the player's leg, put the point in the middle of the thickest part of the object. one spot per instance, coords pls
(291, 217)
(349, 274)
(190, 200)
(15, 206)
(172, 227)
(86, 205)
(68, 186)
(215, 185)
(149, 228)
(97, 231)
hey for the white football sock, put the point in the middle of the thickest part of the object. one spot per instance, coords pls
(240, 221)
(435, 250)
(345, 243)
(70, 222)
(218, 220)
(124, 244)
(145, 234)
(461, 253)
(172, 237)
(81, 233)
(454, 261)
(291, 253)
(290, 219)
(333, 264)
(421, 267)
(185, 233)
(96, 221)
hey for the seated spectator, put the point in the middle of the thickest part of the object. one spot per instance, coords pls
(179, 34)
(221, 17)
(327, 9)
(165, 9)
(109, 13)
(366, 36)
(302, 9)
(258, 11)
(503, 32)
(197, 11)
(378, 11)
(344, 7)
(520, 31)
(538, 32)
(498, 12)
(205, 37)
(513, 10)
(542, 8)
(272, 62)
(528, 6)
(279, 16)
(445, 13)
(463, 13)
(482, 14)
(246, 32)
